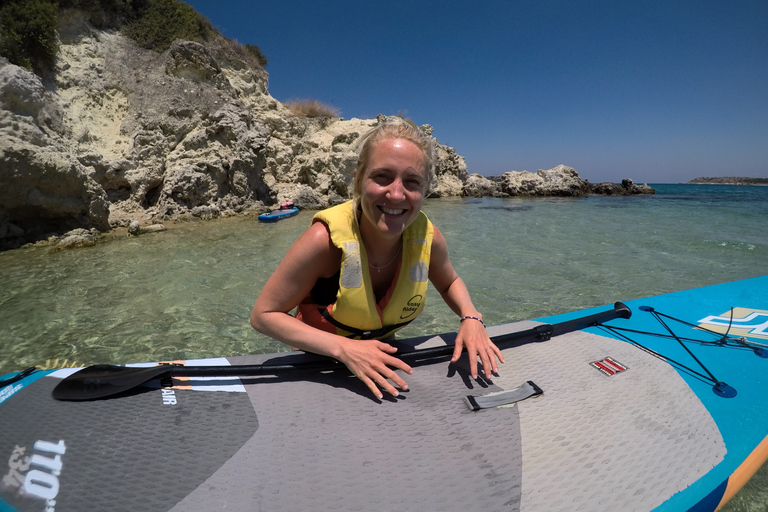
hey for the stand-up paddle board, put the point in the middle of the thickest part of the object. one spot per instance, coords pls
(276, 215)
(664, 410)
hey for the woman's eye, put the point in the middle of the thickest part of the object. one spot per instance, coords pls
(413, 184)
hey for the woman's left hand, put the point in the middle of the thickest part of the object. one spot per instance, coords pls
(474, 338)
(472, 335)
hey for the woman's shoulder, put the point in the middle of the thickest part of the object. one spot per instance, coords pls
(318, 248)
(318, 235)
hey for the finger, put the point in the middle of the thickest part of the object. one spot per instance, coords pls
(482, 354)
(456, 352)
(386, 347)
(490, 354)
(472, 362)
(396, 379)
(488, 362)
(394, 361)
(385, 385)
(498, 354)
(372, 386)
(399, 364)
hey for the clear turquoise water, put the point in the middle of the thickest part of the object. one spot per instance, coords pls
(187, 292)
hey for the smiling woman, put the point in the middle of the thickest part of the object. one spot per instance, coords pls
(393, 190)
(344, 307)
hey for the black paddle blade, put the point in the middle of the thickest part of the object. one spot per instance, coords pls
(103, 380)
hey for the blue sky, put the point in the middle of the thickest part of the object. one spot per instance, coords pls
(657, 91)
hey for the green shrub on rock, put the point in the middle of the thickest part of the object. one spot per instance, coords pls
(256, 52)
(28, 27)
(28, 33)
(161, 21)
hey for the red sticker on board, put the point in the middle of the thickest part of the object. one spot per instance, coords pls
(609, 366)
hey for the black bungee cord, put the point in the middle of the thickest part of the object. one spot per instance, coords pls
(719, 387)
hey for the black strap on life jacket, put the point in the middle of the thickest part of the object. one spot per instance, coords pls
(363, 335)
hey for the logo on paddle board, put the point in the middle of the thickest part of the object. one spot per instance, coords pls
(752, 323)
(169, 397)
(36, 474)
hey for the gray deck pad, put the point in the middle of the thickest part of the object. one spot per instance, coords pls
(125, 454)
(321, 442)
(593, 441)
(325, 444)
(589, 442)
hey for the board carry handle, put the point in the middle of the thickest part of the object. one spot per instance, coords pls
(104, 380)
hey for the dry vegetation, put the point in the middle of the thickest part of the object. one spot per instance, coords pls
(311, 108)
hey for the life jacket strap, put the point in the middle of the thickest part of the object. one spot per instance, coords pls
(359, 333)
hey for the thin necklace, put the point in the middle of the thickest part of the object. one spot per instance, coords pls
(378, 269)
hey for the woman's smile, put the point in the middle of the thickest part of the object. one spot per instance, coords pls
(391, 211)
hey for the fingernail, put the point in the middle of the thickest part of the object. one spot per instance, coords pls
(395, 393)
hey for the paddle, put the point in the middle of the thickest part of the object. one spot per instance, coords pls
(102, 381)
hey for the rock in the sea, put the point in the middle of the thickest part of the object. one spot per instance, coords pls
(75, 242)
(479, 186)
(626, 187)
(558, 181)
(634, 188)
(135, 228)
(76, 239)
(450, 169)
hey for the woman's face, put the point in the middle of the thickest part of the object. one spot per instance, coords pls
(393, 186)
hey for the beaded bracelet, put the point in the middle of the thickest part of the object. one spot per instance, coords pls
(471, 318)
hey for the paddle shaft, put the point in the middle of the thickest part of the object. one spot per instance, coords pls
(541, 332)
(102, 381)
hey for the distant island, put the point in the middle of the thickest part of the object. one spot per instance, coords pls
(728, 180)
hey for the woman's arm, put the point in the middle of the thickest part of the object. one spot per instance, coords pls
(313, 256)
(472, 334)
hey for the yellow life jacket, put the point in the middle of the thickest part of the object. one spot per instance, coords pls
(355, 313)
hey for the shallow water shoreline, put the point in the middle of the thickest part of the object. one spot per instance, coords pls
(522, 258)
(123, 231)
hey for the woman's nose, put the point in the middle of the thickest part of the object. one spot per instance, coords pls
(396, 190)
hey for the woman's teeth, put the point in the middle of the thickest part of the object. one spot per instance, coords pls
(390, 211)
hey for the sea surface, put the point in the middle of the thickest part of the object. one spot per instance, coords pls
(187, 292)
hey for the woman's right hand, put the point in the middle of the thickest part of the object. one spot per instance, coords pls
(371, 361)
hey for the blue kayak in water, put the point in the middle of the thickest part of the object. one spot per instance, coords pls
(276, 215)
(651, 404)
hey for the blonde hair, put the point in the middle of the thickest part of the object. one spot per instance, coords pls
(387, 129)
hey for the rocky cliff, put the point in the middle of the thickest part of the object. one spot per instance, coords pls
(117, 133)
